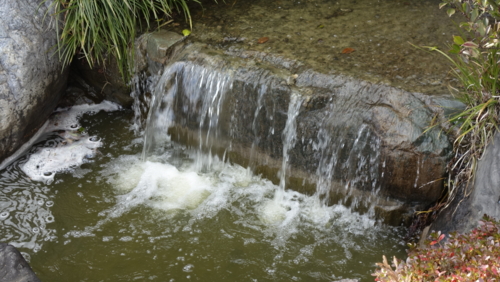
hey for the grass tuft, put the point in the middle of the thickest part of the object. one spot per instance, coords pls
(95, 29)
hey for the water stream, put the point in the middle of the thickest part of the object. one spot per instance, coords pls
(110, 199)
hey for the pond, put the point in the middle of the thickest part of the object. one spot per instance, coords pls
(178, 216)
(85, 203)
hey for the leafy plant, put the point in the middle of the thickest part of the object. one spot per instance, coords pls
(474, 256)
(475, 63)
(96, 29)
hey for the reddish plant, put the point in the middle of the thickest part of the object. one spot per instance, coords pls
(474, 256)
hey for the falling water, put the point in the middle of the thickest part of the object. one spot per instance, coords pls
(169, 211)
(203, 93)
(289, 137)
(348, 160)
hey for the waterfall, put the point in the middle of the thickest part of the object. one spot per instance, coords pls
(348, 156)
(213, 108)
(202, 96)
(289, 137)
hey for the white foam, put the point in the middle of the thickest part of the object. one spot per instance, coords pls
(271, 212)
(68, 118)
(253, 201)
(160, 186)
(42, 165)
(76, 149)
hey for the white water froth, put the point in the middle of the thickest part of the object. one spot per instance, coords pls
(76, 148)
(68, 118)
(44, 164)
(163, 188)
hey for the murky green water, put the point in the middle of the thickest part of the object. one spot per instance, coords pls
(116, 218)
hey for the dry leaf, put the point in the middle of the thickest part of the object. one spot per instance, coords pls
(262, 40)
(347, 51)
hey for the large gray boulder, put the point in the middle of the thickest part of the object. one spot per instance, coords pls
(31, 76)
(480, 198)
(13, 267)
(358, 143)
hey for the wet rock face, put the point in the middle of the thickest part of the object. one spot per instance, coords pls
(359, 143)
(101, 83)
(31, 78)
(468, 208)
(13, 267)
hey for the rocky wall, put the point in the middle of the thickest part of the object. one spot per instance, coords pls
(356, 143)
(32, 78)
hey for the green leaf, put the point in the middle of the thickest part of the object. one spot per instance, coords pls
(455, 49)
(442, 5)
(474, 14)
(450, 12)
(481, 28)
(458, 40)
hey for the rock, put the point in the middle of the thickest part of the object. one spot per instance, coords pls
(32, 78)
(104, 83)
(159, 44)
(13, 267)
(362, 144)
(465, 211)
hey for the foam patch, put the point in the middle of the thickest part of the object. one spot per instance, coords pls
(68, 118)
(46, 162)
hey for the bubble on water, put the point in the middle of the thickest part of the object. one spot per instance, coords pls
(49, 203)
(35, 230)
(4, 215)
(40, 202)
(94, 139)
(126, 239)
(188, 268)
(49, 219)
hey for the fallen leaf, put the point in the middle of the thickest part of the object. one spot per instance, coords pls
(347, 51)
(262, 40)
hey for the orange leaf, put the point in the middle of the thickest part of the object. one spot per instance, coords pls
(263, 40)
(347, 51)
(441, 237)
(433, 243)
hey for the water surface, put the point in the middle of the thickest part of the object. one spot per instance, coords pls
(118, 218)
